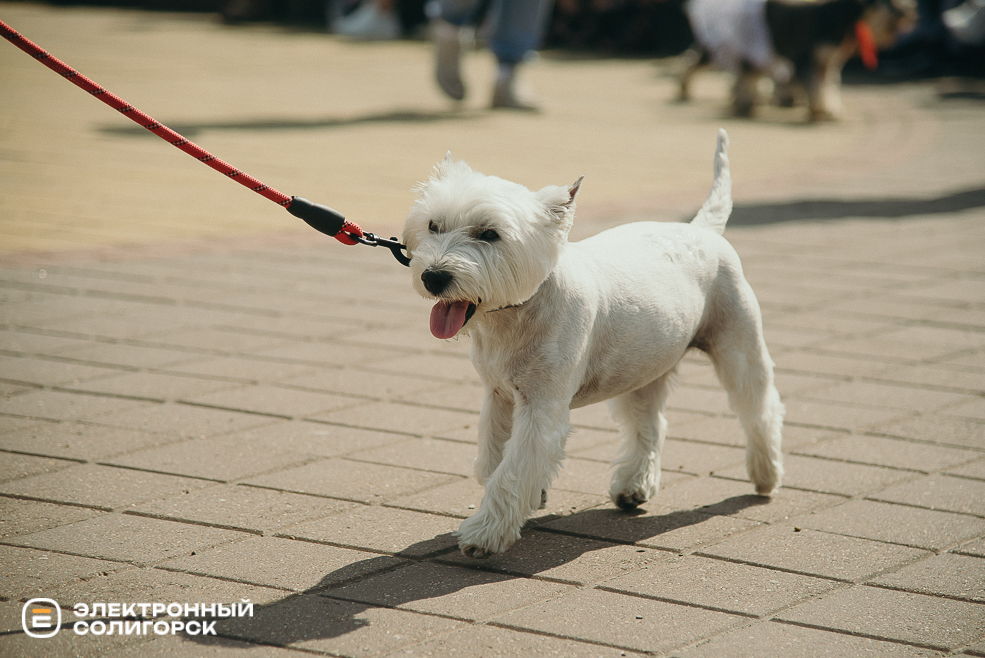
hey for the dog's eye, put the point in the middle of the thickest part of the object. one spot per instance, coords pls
(432, 226)
(488, 235)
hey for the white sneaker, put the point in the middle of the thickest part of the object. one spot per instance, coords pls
(368, 22)
(505, 96)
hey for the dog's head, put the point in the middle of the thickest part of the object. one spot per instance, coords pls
(479, 243)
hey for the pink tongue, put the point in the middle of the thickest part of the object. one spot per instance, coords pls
(448, 318)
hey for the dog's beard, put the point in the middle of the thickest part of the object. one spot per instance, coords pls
(448, 318)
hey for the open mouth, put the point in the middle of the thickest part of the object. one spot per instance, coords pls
(448, 318)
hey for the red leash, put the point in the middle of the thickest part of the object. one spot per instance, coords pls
(319, 217)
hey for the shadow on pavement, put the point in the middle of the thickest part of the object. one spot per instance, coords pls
(825, 209)
(190, 129)
(337, 605)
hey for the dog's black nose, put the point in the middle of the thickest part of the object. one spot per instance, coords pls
(435, 280)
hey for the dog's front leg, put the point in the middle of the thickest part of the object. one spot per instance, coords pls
(530, 461)
(495, 425)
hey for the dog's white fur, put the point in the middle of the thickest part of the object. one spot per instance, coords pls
(560, 325)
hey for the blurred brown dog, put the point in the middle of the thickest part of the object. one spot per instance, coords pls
(801, 45)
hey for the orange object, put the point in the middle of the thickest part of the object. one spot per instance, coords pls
(866, 45)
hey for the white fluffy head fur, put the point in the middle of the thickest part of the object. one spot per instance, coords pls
(497, 240)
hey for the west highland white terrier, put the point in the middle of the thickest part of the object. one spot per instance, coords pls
(557, 325)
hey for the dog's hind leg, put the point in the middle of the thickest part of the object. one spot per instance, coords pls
(641, 421)
(745, 369)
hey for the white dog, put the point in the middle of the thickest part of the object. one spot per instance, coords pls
(558, 325)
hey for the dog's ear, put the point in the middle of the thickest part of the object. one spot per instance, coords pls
(573, 190)
(560, 202)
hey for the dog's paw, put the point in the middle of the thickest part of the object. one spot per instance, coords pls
(482, 535)
(630, 501)
(475, 552)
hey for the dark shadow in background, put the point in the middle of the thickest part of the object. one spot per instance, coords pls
(827, 209)
(337, 605)
(190, 129)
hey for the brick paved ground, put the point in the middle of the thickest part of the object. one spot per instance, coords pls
(265, 416)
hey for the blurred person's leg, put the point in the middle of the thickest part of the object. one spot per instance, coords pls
(517, 29)
(447, 35)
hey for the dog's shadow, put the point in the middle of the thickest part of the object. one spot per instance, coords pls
(342, 602)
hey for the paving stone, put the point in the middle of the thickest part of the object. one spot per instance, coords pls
(927, 621)
(46, 372)
(161, 586)
(686, 456)
(425, 454)
(282, 563)
(714, 495)
(975, 470)
(242, 508)
(314, 439)
(371, 385)
(660, 527)
(275, 400)
(126, 538)
(130, 356)
(450, 591)
(942, 430)
(225, 458)
(340, 628)
(16, 467)
(99, 486)
(882, 451)
(30, 572)
(723, 430)
(814, 553)
(184, 420)
(575, 560)
(349, 480)
(448, 367)
(463, 496)
(885, 395)
(628, 622)
(197, 646)
(384, 529)
(85, 441)
(828, 476)
(955, 576)
(973, 409)
(25, 517)
(58, 405)
(720, 585)
(899, 524)
(152, 385)
(487, 641)
(936, 375)
(972, 548)
(939, 492)
(833, 415)
(408, 419)
(829, 364)
(770, 638)
(243, 369)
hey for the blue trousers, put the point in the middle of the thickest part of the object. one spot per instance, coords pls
(517, 25)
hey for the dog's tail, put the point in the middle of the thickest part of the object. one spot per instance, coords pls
(718, 205)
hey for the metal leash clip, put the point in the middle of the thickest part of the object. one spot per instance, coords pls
(393, 244)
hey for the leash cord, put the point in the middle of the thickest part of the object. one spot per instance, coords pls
(319, 217)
